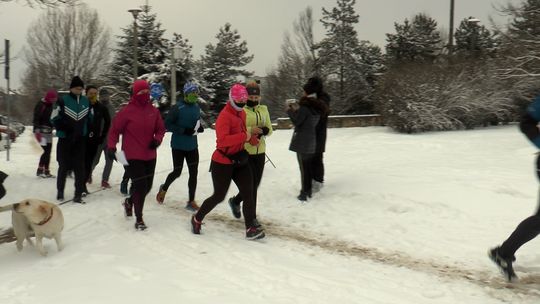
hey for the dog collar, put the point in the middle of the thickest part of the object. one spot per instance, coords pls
(47, 219)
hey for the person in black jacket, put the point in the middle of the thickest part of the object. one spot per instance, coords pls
(42, 128)
(504, 255)
(99, 127)
(315, 84)
(305, 116)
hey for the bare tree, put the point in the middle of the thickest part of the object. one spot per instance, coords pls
(64, 43)
(43, 3)
(297, 62)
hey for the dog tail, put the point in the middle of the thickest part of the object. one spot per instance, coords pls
(6, 208)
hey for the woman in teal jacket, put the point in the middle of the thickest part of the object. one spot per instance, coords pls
(184, 122)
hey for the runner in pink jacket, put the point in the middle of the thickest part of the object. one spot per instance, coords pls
(142, 130)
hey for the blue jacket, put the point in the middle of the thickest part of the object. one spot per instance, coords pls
(529, 122)
(183, 116)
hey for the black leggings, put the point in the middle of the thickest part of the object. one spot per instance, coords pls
(256, 164)
(221, 178)
(317, 167)
(45, 158)
(306, 175)
(192, 160)
(527, 230)
(141, 173)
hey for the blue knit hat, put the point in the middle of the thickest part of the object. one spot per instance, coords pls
(191, 87)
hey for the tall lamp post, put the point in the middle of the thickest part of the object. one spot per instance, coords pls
(451, 33)
(177, 54)
(135, 12)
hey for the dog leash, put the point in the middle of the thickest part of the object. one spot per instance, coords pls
(133, 180)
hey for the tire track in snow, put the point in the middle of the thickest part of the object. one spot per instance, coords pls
(528, 285)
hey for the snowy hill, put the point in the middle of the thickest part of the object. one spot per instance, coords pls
(401, 219)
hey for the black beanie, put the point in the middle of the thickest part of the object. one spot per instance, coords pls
(76, 82)
(313, 85)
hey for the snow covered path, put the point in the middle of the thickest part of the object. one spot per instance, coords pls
(401, 219)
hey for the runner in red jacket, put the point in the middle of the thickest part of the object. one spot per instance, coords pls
(230, 162)
(142, 131)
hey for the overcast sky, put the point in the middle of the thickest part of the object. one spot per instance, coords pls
(260, 22)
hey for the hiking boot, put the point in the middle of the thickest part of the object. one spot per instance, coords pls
(60, 196)
(124, 187)
(85, 193)
(128, 207)
(105, 185)
(39, 172)
(78, 199)
(254, 233)
(140, 225)
(235, 208)
(192, 206)
(195, 225)
(160, 197)
(504, 264)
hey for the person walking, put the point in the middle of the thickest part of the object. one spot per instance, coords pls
(104, 99)
(305, 116)
(184, 121)
(43, 131)
(142, 131)
(71, 117)
(315, 84)
(230, 163)
(504, 255)
(99, 127)
(258, 122)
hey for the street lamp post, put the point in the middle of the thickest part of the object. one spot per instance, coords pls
(177, 54)
(135, 12)
(451, 33)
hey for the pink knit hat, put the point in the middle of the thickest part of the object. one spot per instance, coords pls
(51, 96)
(238, 93)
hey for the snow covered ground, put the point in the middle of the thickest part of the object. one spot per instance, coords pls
(401, 219)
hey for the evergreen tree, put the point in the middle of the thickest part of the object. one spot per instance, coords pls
(223, 63)
(416, 41)
(342, 59)
(525, 19)
(152, 51)
(474, 39)
(520, 44)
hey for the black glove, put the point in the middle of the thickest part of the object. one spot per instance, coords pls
(265, 130)
(111, 154)
(189, 131)
(200, 129)
(154, 144)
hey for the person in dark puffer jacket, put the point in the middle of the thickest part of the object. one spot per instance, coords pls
(305, 116)
(99, 127)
